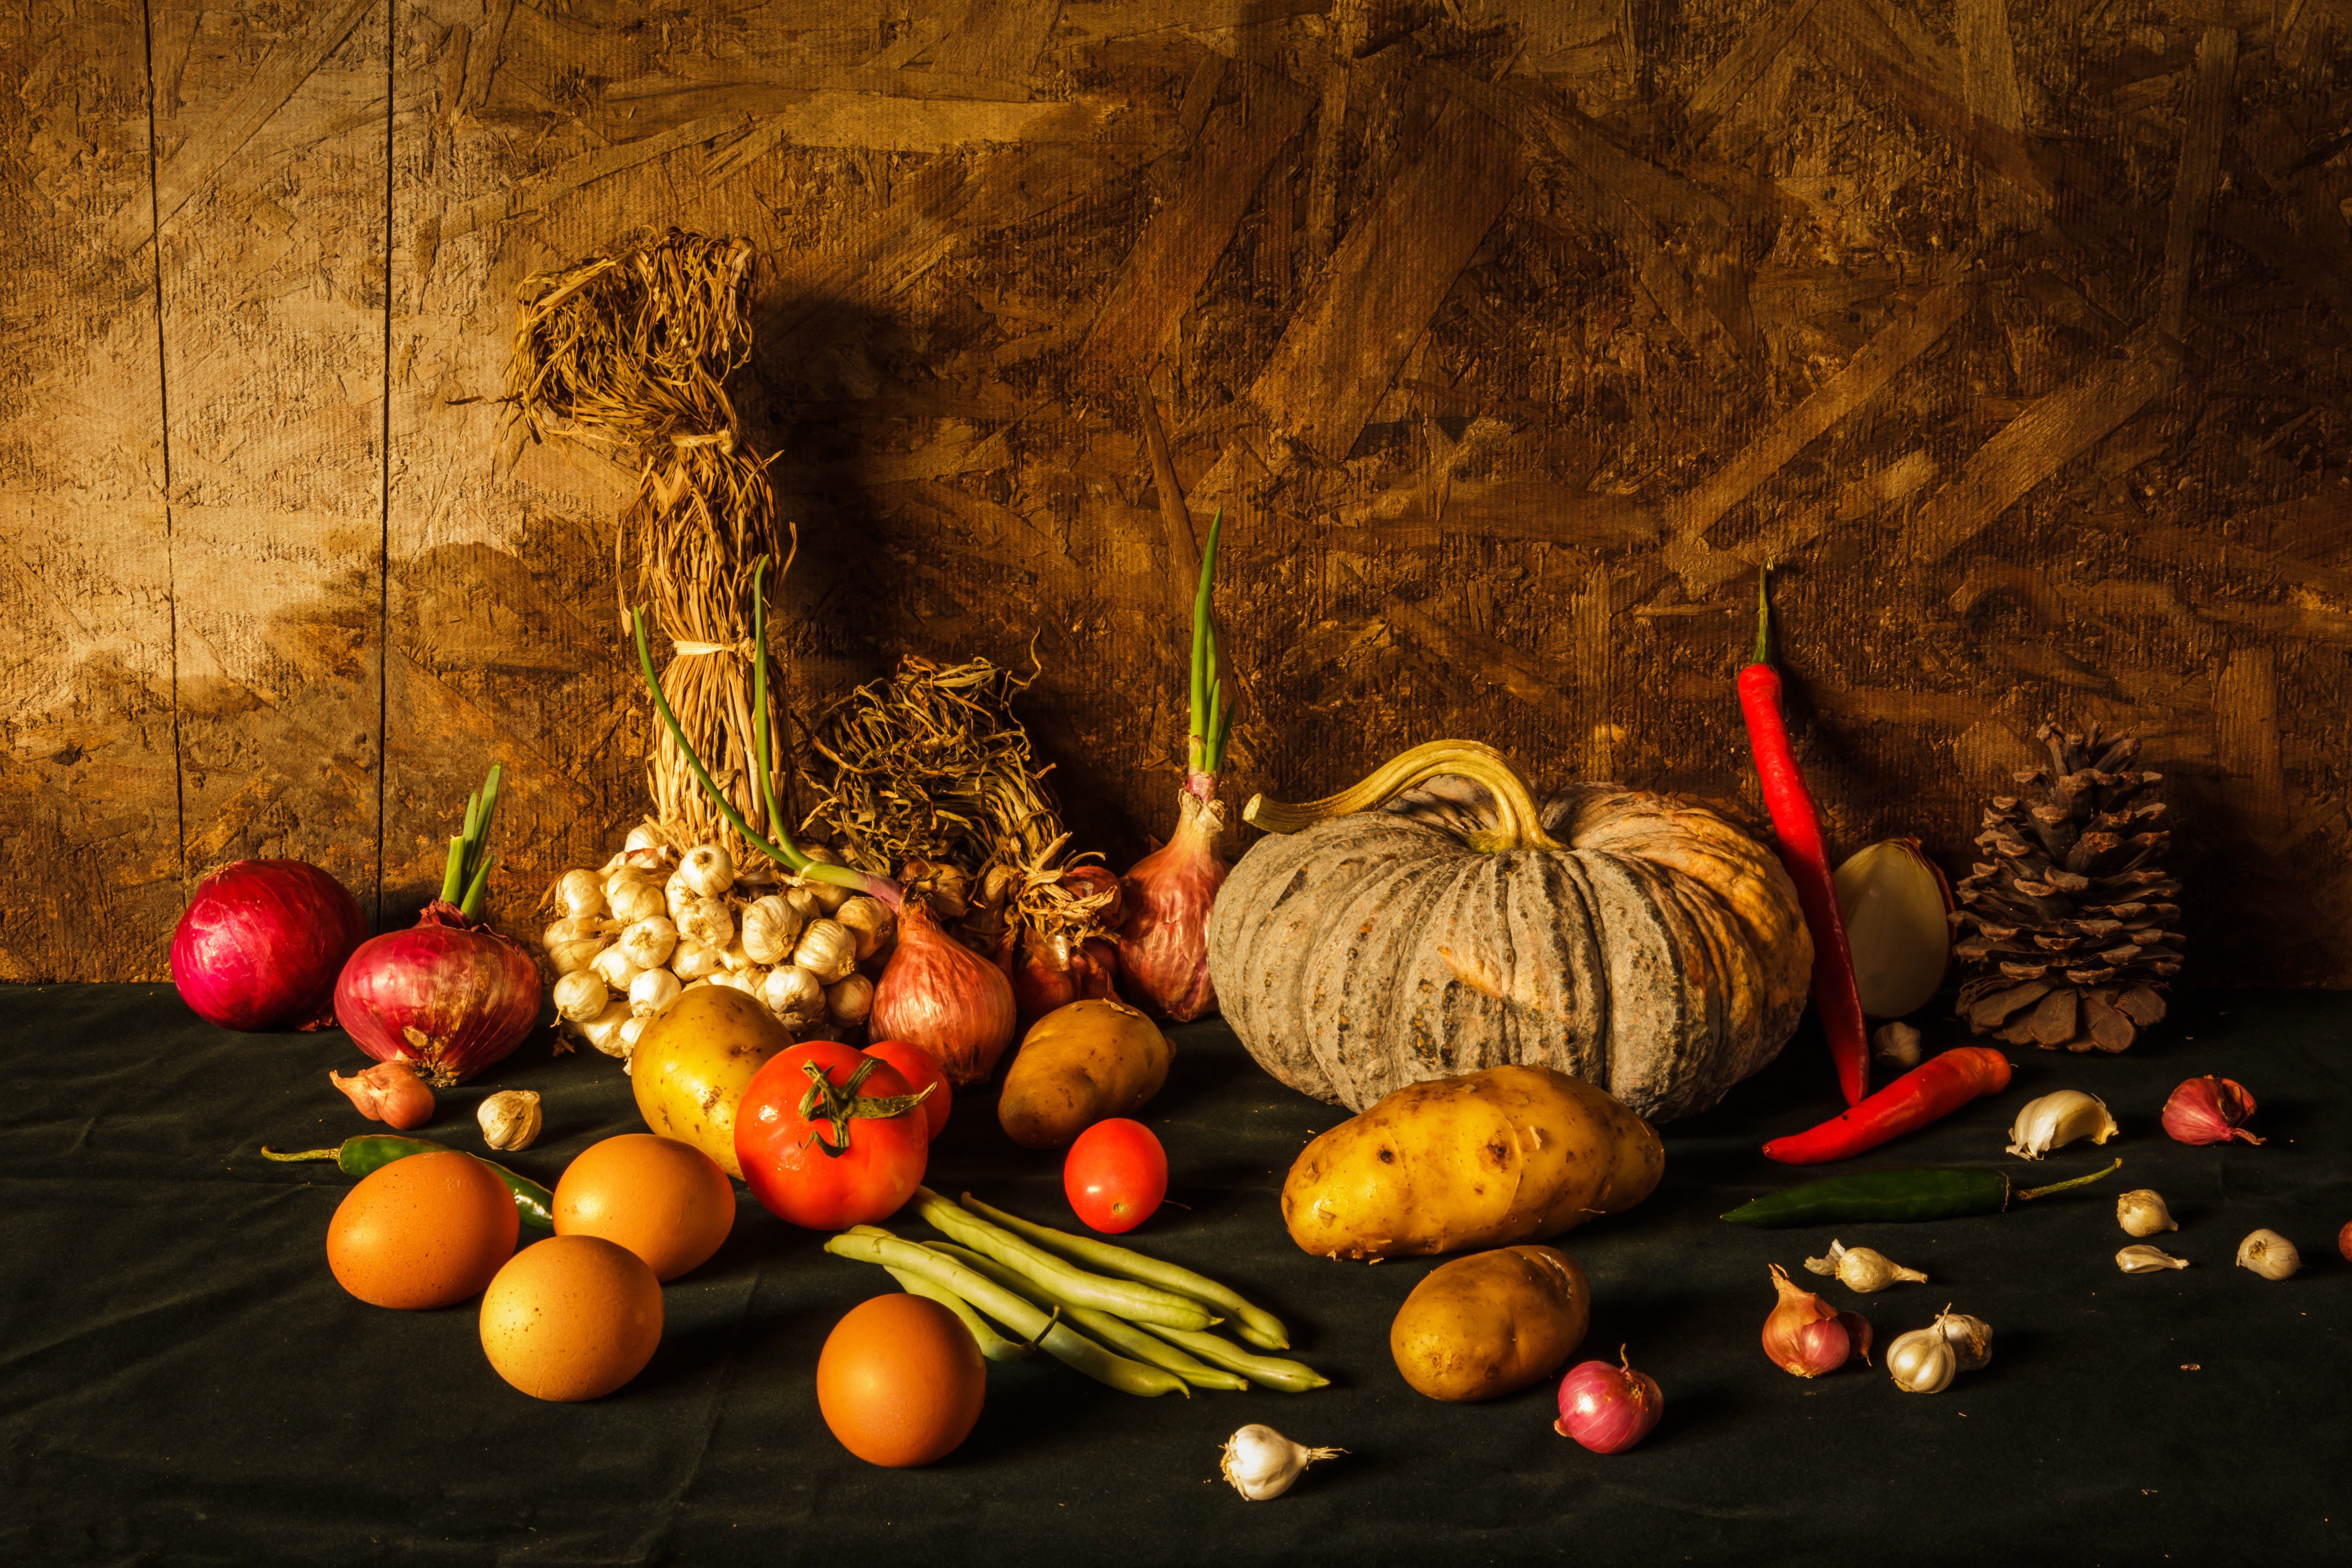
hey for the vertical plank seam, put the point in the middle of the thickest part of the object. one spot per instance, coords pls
(163, 433)
(384, 462)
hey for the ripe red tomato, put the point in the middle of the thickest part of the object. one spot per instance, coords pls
(828, 1166)
(1116, 1174)
(918, 1067)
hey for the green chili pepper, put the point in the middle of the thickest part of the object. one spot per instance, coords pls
(1937, 1192)
(534, 1204)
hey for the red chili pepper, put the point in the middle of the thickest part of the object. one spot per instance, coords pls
(1934, 1088)
(1806, 858)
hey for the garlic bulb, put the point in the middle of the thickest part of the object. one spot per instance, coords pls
(705, 921)
(1922, 1361)
(793, 995)
(690, 961)
(2269, 1254)
(733, 957)
(579, 893)
(1261, 1463)
(677, 892)
(1899, 1043)
(770, 926)
(747, 981)
(868, 919)
(509, 1119)
(1862, 1269)
(581, 996)
(615, 967)
(574, 953)
(802, 903)
(2146, 1260)
(644, 836)
(1971, 1338)
(849, 1001)
(631, 1032)
(649, 943)
(2142, 1212)
(632, 899)
(828, 950)
(708, 869)
(652, 990)
(2059, 1119)
(572, 928)
(604, 1030)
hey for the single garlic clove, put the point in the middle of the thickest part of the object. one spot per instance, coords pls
(1971, 1337)
(2146, 1260)
(1922, 1361)
(2142, 1212)
(1899, 1043)
(2056, 1120)
(509, 1119)
(708, 869)
(2269, 1254)
(1261, 1463)
(581, 996)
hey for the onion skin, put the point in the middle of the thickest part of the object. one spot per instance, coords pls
(1163, 943)
(261, 943)
(941, 996)
(1608, 1408)
(447, 994)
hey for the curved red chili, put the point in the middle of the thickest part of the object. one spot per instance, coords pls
(1936, 1087)
(1802, 851)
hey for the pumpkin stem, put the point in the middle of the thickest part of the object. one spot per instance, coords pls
(1517, 821)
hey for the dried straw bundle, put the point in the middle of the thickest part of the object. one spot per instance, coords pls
(631, 350)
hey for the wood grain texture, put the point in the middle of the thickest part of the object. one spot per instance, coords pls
(1509, 337)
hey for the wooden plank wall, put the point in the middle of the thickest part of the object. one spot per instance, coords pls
(1509, 335)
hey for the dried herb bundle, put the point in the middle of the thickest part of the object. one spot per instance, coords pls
(631, 350)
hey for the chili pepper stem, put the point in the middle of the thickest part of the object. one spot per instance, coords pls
(269, 1153)
(2075, 1182)
(1763, 614)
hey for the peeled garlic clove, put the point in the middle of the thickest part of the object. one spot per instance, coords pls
(604, 1030)
(509, 1119)
(579, 893)
(1895, 902)
(1971, 1338)
(1922, 1361)
(1897, 1042)
(2056, 1120)
(828, 950)
(2146, 1260)
(581, 996)
(770, 926)
(1261, 1463)
(649, 943)
(793, 995)
(2269, 1254)
(615, 967)
(708, 869)
(849, 1001)
(651, 991)
(2142, 1212)
(690, 961)
(868, 919)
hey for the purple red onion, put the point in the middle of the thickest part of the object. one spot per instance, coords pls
(2208, 1110)
(260, 944)
(448, 994)
(1163, 944)
(1608, 1408)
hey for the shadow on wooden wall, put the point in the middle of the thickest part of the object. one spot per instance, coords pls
(1509, 335)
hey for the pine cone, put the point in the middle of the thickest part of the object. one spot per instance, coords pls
(2067, 934)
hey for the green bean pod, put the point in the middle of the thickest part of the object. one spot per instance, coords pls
(1128, 1299)
(1274, 1372)
(1119, 1335)
(1258, 1326)
(992, 1345)
(1065, 1345)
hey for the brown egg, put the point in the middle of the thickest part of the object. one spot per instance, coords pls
(426, 1231)
(900, 1381)
(573, 1316)
(665, 1201)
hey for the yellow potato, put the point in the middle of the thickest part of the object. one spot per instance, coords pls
(1079, 1064)
(693, 1061)
(1511, 1154)
(1491, 1323)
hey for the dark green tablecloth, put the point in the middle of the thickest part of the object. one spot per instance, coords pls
(185, 1382)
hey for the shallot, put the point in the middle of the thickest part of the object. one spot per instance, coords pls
(1806, 1335)
(944, 997)
(389, 1092)
(2208, 1110)
(1608, 1408)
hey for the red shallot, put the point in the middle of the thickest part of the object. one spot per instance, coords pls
(944, 997)
(1806, 1335)
(1608, 1408)
(389, 1092)
(261, 943)
(2208, 1110)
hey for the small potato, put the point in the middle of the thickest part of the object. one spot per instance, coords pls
(1491, 1323)
(693, 1060)
(1077, 1065)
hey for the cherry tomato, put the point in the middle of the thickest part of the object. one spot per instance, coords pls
(813, 1155)
(1116, 1174)
(918, 1067)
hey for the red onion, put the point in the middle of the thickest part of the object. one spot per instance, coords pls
(1608, 1408)
(944, 997)
(1806, 1335)
(261, 943)
(448, 994)
(2208, 1110)
(1163, 945)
